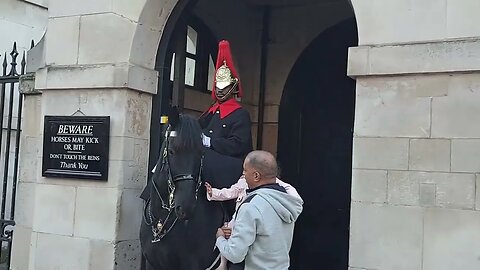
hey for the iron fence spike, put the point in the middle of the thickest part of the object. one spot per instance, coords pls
(5, 64)
(14, 54)
(23, 64)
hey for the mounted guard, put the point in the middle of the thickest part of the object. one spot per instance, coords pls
(226, 125)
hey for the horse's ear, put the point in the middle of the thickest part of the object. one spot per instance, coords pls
(173, 116)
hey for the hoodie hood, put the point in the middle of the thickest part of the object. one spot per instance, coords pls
(287, 207)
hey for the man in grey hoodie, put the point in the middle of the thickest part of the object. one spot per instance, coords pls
(264, 224)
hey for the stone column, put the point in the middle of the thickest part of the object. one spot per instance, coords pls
(80, 224)
(417, 138)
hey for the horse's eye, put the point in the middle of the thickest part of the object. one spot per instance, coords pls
(171, 152)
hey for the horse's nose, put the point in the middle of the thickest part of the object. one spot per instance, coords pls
(180, 212)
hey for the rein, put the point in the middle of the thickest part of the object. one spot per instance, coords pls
(161, 228)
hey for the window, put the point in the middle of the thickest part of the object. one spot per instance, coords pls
(199, 57)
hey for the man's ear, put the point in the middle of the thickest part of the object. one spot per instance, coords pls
(257, 175)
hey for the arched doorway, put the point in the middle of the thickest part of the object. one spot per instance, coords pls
(315, 111)
(315, 147)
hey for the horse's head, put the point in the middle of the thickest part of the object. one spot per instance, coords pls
(183, 153)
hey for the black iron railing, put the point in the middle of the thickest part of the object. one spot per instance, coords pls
(10, 98)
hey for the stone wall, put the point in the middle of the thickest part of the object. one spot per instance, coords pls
(80, 224)
(414, 197)
(415, 161)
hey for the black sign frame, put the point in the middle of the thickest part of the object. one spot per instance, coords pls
(76, 147)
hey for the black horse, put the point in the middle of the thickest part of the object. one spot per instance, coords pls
(179, 223)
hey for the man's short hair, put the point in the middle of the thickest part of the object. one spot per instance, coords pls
(264, 162)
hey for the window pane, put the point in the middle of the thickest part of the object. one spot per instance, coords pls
(190, 72)
(172, 68)
(211, 73)
(191, 40)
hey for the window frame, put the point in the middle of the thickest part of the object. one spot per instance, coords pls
(206, 45)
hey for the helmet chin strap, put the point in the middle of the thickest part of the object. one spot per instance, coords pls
(230, 92)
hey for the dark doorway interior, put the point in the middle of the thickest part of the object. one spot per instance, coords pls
(315, 147)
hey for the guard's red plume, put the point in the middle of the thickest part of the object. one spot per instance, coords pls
(225, 54)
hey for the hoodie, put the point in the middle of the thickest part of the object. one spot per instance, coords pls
(263, 231)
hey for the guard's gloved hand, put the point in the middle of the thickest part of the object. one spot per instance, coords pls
(205, 140)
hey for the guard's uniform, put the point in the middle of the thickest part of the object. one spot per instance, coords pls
(231, 141)
(226, 126)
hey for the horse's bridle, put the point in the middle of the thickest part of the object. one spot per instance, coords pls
(160, 230)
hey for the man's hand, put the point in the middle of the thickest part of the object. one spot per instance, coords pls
(224, 231)
(220, 233)
(209, 189)
(227, 231)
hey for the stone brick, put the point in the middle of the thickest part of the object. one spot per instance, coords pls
(54, 209)
(270, 138)
(408, 59)
(61, 252)
(125, 175)
(385, 237)
(102, 41)
(102, 255)
(432, 85)
(428, 194)
(62, 8)
(369, 186)
(25, 204)
(138, 113)
(403, 188)
(423, 58)
(143, 79)
(96, 208)
(32, 110)
(380, 153)
(429, 155)
(390, 107)
(131, 209)
(271, 113)
(84, 77)
(121, 148)
(128, 9)
(153, 14)
(64, 50)
(401, 21)
(452, 190)
(127, 255)
(139, 163)
(196, 100)
(358, 61)
(27, 170)
(451, 239)
(452, 121)
(23, 240)
(465, 155)
(142, 54)
(129, 111)
(462, 20)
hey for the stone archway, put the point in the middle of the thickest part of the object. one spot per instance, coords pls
(287, 62)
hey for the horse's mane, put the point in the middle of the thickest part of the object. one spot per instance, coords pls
(189, 135)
